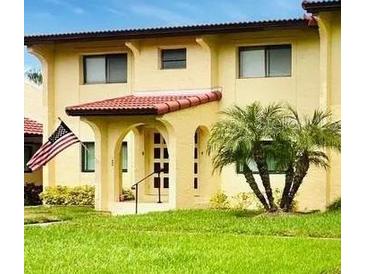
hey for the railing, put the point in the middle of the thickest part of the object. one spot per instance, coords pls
(135, 187)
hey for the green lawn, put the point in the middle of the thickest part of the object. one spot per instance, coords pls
(191, 241)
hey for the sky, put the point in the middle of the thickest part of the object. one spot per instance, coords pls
(59, 16)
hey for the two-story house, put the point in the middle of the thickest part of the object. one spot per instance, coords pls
(145, 99)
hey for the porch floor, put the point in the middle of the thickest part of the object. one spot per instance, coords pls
(129, 207)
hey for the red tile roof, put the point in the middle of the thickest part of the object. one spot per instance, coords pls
(32, 128)
(140, 104)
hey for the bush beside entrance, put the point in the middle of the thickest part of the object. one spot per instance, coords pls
(63, 195)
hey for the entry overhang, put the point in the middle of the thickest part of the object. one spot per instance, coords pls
(152, 103)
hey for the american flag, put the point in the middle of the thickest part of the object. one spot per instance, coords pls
(62, 138)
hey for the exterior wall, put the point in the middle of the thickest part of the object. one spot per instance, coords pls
(149, 76)
(33, 101)
(211, 61)
(33, 110)
(333, 20)
(301, 90)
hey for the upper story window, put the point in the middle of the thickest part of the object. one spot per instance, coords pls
(110, 68)
(268, 61)
(173, 58)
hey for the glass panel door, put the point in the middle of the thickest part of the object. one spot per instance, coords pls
(160, 161)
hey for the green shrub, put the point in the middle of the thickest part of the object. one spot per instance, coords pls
(219, 201)
(31, 194)
(63, 195)
(126, 195)
(335, 205)
(245, 200)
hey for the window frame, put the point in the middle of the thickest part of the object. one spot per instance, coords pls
(84, 57)
(278, 172)
(124, 170)
(177, 60)
(83, 169)
(266, 49)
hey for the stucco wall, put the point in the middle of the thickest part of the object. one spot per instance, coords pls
(33, 101)
(204, 68)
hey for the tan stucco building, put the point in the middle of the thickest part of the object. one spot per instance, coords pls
(145, 99)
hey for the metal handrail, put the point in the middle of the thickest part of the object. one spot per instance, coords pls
(135, 186)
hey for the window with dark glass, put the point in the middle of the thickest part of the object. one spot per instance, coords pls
(124, 157)
(268, 61)
(195, 168)
(173, 58)
(88, 157)
(110, 68)
(156, 167)
(28, 152)
(156, 182)
(195, 183)
(272, 164)
(156, 153)
(166, 182)
(156, 138)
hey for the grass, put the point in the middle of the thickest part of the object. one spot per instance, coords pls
(191, 241)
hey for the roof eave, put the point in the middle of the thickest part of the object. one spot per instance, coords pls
(321, 6)
(167, 32)
(28, 134)
(110, 112)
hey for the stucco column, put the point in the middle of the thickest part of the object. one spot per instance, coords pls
(325, 33)
(181, 148)
(101, 168)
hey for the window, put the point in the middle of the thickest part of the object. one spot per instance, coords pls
(124, 157)
(269, 61)
(28, 153)
(156, 182)
(195, 183)
(88, 157)
(173, 58)
(272, 164)
(105, 69)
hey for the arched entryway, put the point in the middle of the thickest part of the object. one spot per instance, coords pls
(142, 152)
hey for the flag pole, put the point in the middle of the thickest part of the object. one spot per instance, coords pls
(82, 144)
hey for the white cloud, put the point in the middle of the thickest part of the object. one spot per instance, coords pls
(232, 12)
(73, 8)
(78, 10)
(115, 11)
(164, 15)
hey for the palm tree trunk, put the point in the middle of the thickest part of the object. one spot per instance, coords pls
(252, 183)
(261, 163)
(289, 175)
(301, 170)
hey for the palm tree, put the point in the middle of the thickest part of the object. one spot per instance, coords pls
(303, 143)
(238, 139)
